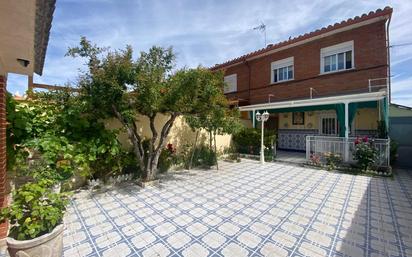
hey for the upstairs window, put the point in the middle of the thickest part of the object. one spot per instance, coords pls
(282, 70)
(230, 83)
(337, 58)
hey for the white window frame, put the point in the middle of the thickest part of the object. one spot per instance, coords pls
(328, 115)
(230, 83)
(335, 50)
(284, 63)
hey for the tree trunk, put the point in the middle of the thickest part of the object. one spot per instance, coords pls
(214, 138)
(152, 143)
(210, 141)
(194, 149)
(153, 157)
(133, 136)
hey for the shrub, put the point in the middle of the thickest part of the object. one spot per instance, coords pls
(167, 158)
(248, 140)
(268, 152)
(35, 210)
(38, 169)
(393, 151)
(203, 157)
(63, 131)
(332, 160)
(232, 154)
(315, 159)
(365, 153)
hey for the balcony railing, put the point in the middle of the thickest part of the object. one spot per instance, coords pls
(321, 146)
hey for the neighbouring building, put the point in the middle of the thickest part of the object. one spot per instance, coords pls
(400, 120)
(330, 82)
(24, 30)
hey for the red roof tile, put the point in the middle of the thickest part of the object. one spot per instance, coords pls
(373, 14)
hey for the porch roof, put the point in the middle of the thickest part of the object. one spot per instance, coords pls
(353, 98)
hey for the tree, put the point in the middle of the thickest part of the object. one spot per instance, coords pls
(217, 119)
(116, 85)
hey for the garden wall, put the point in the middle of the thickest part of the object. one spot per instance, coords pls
(180, 133)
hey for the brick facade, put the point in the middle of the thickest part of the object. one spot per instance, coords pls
(3, 179)
(370, 61)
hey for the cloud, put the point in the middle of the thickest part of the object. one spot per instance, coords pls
(401, 90)
(206, 32)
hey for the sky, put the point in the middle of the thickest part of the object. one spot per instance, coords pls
(208, 32)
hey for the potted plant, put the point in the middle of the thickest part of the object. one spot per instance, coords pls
(36, 220)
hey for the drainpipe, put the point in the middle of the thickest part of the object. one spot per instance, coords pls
(389, 60)
(389, 94)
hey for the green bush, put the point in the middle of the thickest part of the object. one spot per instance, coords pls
(365, 153)
(62, 130)
(38, 169)
(393, 151)
(167, 158)
(203, 157)
(35, 210)
(268, 154)
(232, 154)
(248, 140)
(333, 160)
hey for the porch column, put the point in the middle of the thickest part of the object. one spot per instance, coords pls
(346, 131)
(346, 120)
(254, 118)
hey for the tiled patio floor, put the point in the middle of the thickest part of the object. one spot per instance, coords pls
(291, 157)
(246, 209)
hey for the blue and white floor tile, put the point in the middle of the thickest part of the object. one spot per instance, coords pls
(246, 209)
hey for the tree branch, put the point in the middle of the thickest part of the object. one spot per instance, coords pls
(165, 130)
(133, 136)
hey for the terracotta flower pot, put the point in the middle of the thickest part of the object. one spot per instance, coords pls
(48, 245)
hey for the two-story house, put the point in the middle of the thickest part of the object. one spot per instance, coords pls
(332, 82)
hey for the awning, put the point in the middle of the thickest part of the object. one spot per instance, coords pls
(355, 98)
(337, 103)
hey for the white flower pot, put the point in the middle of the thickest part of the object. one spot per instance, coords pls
(48, 245)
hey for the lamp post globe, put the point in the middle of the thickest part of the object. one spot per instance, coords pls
(265, 116)
(258, 116)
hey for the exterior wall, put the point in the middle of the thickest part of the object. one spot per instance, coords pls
(180, 134)
(370, 61)
(293, 137)
(367, 119)
(311, 121)
(3, 174)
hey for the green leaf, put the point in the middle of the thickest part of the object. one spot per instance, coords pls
(28, 198)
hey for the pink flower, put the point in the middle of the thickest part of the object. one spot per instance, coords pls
(365, 139)
(357, 141)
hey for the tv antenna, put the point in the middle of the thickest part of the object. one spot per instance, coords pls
(261, 28)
